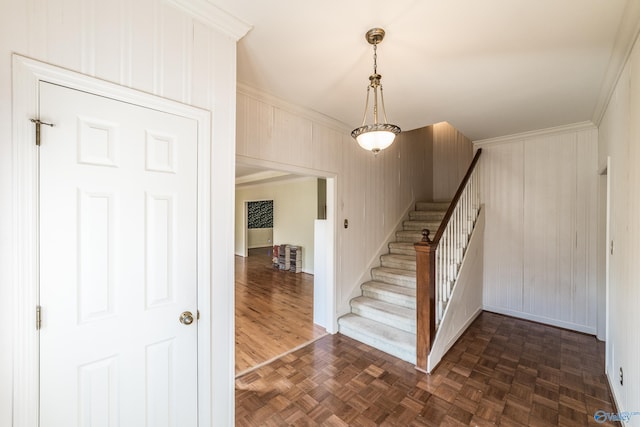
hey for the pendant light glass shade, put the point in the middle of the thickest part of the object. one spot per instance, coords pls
(377, 136)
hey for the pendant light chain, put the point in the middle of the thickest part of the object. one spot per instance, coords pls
(375, 58)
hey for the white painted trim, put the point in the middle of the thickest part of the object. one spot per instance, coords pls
(214, 17)
(607, 270)
(286, 178)
(626, 38)
(616, 398)
(557, 130)
(27, 74)
(307, 113)
(332, 250)
(541, 319)
(282, 167)
(259, 176)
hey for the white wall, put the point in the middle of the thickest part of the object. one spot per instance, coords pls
(540, 195)
(153, 46)
(259, 237)
(619, 138)
(372, 191)
(452, 155)
(294, 212)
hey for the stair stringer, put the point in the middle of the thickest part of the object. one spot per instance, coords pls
(374, 261)
(465, 303)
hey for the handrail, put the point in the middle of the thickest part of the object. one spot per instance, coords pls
(454, 202)
(436, 270)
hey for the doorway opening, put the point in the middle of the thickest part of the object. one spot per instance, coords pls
(284, 273)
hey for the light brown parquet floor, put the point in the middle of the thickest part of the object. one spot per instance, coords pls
(502, 371)
(274, 310)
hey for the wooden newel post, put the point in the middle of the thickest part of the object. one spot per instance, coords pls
(425, 298)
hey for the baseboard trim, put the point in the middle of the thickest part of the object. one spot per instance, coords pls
(541, 319)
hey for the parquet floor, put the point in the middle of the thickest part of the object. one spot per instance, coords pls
(502, 371)
(274, 310)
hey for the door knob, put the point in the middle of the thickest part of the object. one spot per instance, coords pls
(186, 318)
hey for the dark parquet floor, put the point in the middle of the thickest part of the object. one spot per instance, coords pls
(502, 371)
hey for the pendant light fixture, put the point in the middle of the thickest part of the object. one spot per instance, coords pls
(377, 136)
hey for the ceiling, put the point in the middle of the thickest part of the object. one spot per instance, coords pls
(490, 68)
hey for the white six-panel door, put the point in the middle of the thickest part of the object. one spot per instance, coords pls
(118, 250)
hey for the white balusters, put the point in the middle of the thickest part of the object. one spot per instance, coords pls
(453, 243)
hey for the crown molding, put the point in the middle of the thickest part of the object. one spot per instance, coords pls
(307, 113)
(626, 38)
(276, 181)
(260, 176)
(214, 17)
(556, 130)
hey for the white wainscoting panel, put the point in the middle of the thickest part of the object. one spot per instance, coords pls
(549, 226)
(540, 194)
(452, 155)
(501, 192)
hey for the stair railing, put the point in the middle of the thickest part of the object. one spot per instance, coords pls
(438, 260)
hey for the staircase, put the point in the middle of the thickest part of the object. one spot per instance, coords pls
(384, 316)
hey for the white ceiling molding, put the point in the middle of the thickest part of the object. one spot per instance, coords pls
(556, 130)
(213, 16)
(307, 113)
(626, 38)
(260, 176)
(276, 181)
(282, 167)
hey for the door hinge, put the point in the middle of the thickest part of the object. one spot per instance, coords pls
(38, 317)
(611, 248)
(38, 123)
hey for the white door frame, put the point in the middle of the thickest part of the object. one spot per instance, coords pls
(27, 74)
(608, 357)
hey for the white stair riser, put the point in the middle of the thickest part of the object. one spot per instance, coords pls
(401, 299)
(382, 276)
(432, 226)
(432, 206)
(402, 323)
(400, 249)
(426, 216)
(392, 262)
(410, 236)
(382, 344)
